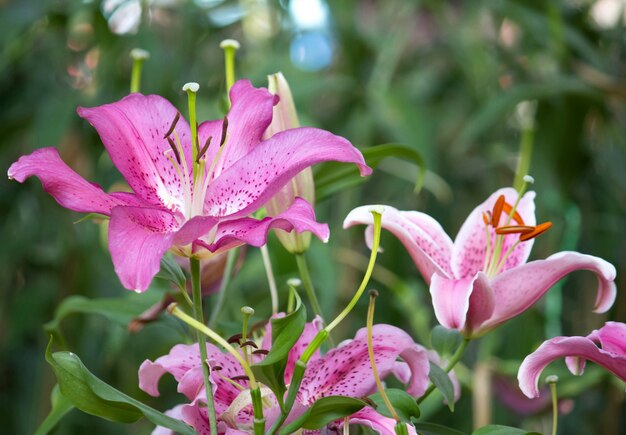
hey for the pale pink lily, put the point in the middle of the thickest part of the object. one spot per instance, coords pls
(172, 207)
(605, 346)
(344, 371)
(476, 283)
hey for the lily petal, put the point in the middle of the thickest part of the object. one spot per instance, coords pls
(517, 289)
(462, 304)
(346, 370)
(251, 181)
(138, 238)
(67, 187)
(299, 217)
(421, 235)
(383, 425)
(470, 244)
(559, 347)
(248, 118)
(132, 131)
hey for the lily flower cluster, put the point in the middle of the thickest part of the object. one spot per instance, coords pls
(342, 371)
(195, 190)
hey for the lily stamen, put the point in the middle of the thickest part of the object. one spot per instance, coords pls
(174, 149)
(172, 126)
(537, 231)
(514, 229)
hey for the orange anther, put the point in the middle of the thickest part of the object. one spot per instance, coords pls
(515, 229)
(516, 216)
(537, 231)
(487, 217)
(497, 211)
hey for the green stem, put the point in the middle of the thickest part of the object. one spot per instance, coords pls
(221, 296)
(138, 55)
(401, 429)
(322, 335)
(555, 407)
(451, 363)
(257, 407)
(525, 155)
(196, 291)
(267, 263)
(303, 269)
(230, 46)
(370, 352)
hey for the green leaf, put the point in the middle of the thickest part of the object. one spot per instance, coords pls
(333, 177)
(403, 403)
(323, 411)
(118, 310)
(424, 428)
(442, 381)
(60, 406)
(91, 395)
(172, 272)
(445, 341)
(285, 333)
(496, 429)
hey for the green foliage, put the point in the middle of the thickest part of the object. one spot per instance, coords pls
(425, 428)
(333, 177)
(60, 406)
(93, 396)
(445, 341)
(285, 332)
(494, 429)
(442, 381)
(403, 403)
(324, 411)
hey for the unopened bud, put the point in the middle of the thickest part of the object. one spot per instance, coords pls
(248, 311)
(528, 179)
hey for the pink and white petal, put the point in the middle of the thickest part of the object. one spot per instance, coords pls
(346, 369)
(431, 256)
(255, 178)
(248, 118)
(470, 244)
(517, 289)
(132, 131)
(67, 187)
(299, 217)
(194, 229)
(138, 238)
(559, 347)
(368, 417)
(196, 417)
(452, 301)
(177, 362)
(175, 412)
(612, 337)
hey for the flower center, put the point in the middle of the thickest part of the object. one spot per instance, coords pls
(194, 179)
(495, 254)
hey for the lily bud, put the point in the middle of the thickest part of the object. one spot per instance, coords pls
(284, 118)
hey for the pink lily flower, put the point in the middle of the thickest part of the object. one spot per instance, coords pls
(605, 346)
(344, 371)
(170, 208)
(482, 278)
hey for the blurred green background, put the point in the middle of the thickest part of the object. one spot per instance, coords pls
(459, 81)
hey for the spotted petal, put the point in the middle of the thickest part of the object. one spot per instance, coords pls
(517, 289)
(468, 256)
(68, 188)
(138, 238)
(427, 243)
(346, 370)
(132, 131)
(252, 180)
(299, 217)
